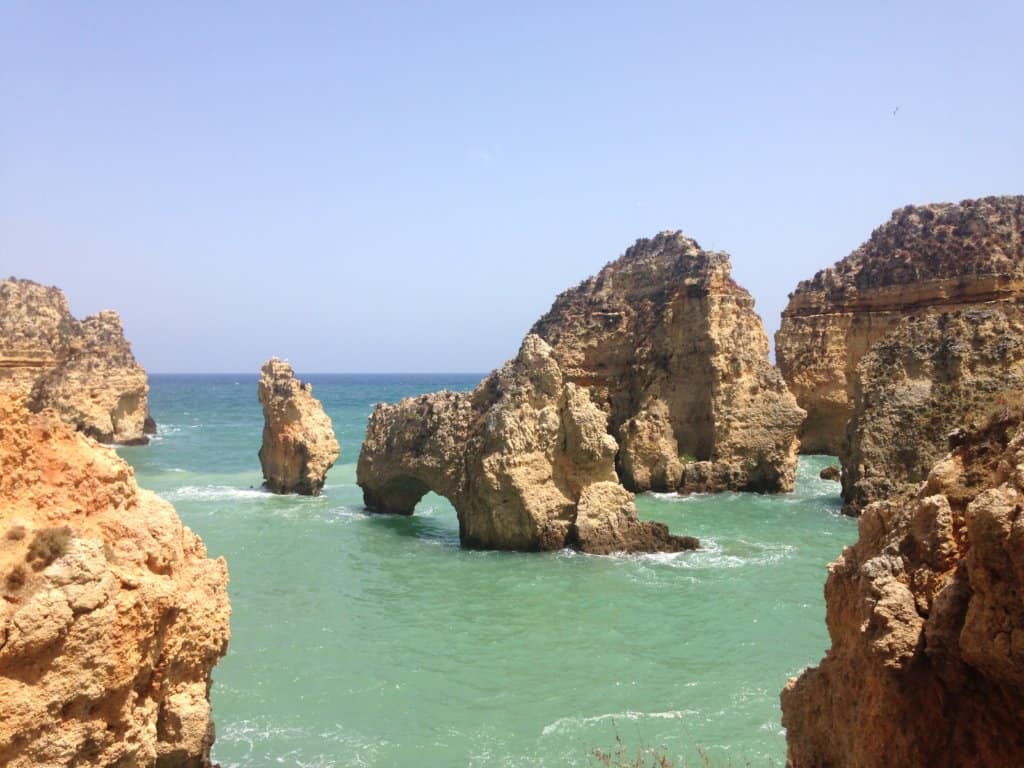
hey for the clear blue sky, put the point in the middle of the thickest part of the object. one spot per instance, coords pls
(406, 187)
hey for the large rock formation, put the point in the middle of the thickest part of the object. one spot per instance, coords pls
(926, 616)
(526, 459)
(925, 259)
(930, 375)
(668, 344)
(298, 439)
(112, 615)
(84, 370)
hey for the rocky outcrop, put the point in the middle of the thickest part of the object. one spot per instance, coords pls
(298, 439)
(931, 374)
(926, 259)
(667, 343)
(83, 370)
(526, 460)
(112, 615)
(926, 616)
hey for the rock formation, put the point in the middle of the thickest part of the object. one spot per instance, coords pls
(926, 259)
(928, 376)
(670, 347)
(926, 616)
(84, 370)
(112, 615)
(525, 458)
(298, 439)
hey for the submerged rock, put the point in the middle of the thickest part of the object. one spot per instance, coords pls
(112, 615)
(926, 259)
(298, 438)
(83, 370)
(669, 346)
(525, 458)
(925, 613)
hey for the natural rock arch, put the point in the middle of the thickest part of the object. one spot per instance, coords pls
(525, 459)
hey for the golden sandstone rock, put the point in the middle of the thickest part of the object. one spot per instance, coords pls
(84, 370)
(298, 439)
(525, 458)
(653, 374)
(668, 344)
(112, 615)
(926, 616)
(883, 351)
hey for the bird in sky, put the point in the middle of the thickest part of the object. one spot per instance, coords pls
(895, 111)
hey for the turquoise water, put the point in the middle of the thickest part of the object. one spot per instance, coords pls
(364, 640)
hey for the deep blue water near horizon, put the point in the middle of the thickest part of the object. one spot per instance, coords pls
(365, 640)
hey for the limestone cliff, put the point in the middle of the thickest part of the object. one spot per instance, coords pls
(298, 439)
(926, 616)
(929, 258)
(112, 615)
(668, 344)
(928, 376)
(526, 460)
(84, 370)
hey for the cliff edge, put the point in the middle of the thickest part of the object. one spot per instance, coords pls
(926, 616)
(84, 370)
(112, 615)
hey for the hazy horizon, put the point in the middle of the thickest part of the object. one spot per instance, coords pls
(404, 188)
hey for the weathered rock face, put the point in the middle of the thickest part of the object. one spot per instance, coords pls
(112, 615)
(670, 347)
(84, 370)
(298, 438)
(931, 374)
(926, 616)
(526, 459)
(925, 259)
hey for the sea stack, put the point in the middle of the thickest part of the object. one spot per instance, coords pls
(914, 334)
(926, 616)
(298, 439)
(84, 370)
(670, 347)
(112, 616)
(525, 458)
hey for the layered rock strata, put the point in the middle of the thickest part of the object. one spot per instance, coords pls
(112, 615)
(926, 616)
(666, 342)
(84, 370)
(525, 458)
(926, 259)
(298, 438)
(928, 376)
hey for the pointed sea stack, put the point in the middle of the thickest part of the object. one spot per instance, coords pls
(84, 370)
(670, 347)
(916, 333)
(298, 439)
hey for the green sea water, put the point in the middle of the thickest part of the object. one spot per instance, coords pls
(363, 640)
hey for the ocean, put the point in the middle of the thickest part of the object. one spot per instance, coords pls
(366, 640)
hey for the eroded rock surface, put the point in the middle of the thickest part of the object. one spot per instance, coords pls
(298, 438)
(112, 615)
(926, 616)
(926, 259)
(929, 375)
(525, 458)
(668, 344)
(84, 370)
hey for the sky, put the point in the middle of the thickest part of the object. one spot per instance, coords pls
(401, 187)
